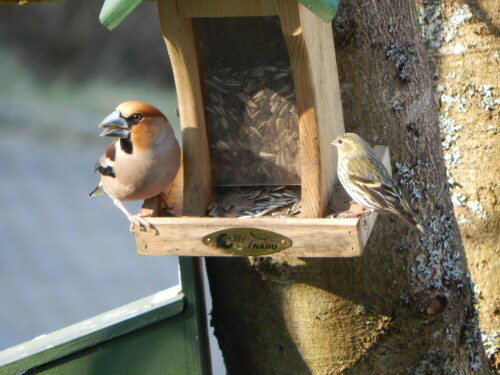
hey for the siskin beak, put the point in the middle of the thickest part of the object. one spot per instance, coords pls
(115, 125)
(335, 142)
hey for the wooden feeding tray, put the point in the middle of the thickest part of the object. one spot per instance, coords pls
(242, 236)
(259, 104)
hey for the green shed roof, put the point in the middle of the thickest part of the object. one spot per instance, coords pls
(115, 11)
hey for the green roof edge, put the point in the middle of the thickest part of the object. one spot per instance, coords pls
(324, 9)
(113, 12)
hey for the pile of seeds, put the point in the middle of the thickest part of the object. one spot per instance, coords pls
(277, 201)
(271, 201)
(252, 125)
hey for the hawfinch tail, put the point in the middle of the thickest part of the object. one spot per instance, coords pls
(142, 161)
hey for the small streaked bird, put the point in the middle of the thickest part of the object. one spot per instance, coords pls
(367, 181)
(142, 161)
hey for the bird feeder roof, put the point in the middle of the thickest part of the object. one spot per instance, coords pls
(115, 11)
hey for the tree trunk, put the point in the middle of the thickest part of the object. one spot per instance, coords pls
(406, 305)
(463, 41)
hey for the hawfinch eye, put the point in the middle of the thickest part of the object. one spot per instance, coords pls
(137, 117)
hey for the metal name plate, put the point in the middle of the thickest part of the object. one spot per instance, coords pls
(247, 241)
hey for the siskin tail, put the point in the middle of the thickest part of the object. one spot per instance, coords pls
(425, 229)
(412, 220)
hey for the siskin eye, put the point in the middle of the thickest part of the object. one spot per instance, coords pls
(340, 141)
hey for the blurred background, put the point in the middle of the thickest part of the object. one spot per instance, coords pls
(65, 257)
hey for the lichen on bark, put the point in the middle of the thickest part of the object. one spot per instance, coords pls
(463, 44)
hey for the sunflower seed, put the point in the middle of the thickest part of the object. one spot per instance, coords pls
(255, 194)
(255, 114)
(243, 209)
(259, 95)
(224, 122)
(282, 111)
(210, 110)
(216, 86)
(245, 193)
(266, 155)
(255, 131)
(266, 205)
(279, 123)
(280, 75)
(262, 213)
(234, 117)
(215, 78)
(274, 107)
(221, 145)
(284, 89)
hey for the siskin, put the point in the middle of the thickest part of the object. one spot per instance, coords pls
(367, 181)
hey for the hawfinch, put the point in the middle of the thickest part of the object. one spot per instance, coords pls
(142, 161)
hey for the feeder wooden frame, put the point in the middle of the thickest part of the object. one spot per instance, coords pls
(311, 50)
(312, 237)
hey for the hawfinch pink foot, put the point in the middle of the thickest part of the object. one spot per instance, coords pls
(138, 220)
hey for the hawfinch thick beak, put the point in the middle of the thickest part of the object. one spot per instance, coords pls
(115, 126)
(335, 142)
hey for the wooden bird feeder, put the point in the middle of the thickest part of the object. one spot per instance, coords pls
(259, 104)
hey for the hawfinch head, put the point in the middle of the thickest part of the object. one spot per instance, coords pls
(130, 117)
(139, 122)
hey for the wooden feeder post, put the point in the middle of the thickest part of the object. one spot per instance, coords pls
(312, 54)
(309, 44)
(179, 37)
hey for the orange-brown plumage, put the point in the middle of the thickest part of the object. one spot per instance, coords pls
(143, 160)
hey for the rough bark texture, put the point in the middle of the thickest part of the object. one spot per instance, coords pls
(462, 38)
(406, 306)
